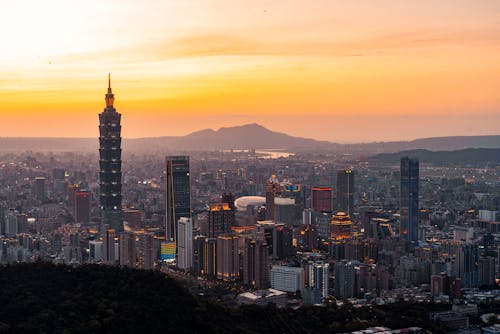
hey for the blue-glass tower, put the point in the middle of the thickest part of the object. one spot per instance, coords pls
(409, 199)
(110, 163)
(178, 193)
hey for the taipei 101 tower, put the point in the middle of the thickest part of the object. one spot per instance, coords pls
(110, 163)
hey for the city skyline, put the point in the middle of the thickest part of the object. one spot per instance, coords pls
(330, 71)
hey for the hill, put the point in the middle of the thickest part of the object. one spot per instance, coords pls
(470, 156)
(244, 137)
(44, 298)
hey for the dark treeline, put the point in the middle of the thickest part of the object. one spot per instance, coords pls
(44, 298)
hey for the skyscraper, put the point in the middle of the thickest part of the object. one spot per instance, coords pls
(185, 244)
(82, 207)
(273, 189)
(220, 219)
(322, 198)
(255, 264)
(409, 199)
(178, 193)
(345, 191)
(110, 163)
(227, 257)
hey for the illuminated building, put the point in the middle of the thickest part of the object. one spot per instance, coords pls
(228, 263)
(256, 264)
(273, 189)
(133, 217)
(220, 219)
(345, 191)
(185, 244)
(318, 277)
(95, 251)
(167, 250)
(82, 207)
(110, 163)
(199, 254)
(409, 199)
(210, 263)
(340, 226)
(322, 198)
(178, 193)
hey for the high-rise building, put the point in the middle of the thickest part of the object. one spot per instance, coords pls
(145, 251)
(110, 163)
(95, 251)
(128, 254)
(273, 189)
(185, 244)
(466, 265)
(340, 226)
(345, 191)
(486, 268)
(256, 264)
(82, 207)
(228, 264)
(409, 199)
(322, 198)
(209, 265)
(178, 193)
(345, 279)
(199, 254)
(318, 277)
(109, 246)
(220, 219)
(289, 279)
(40, 188)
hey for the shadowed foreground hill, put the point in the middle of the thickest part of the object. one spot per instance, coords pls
(43, 298)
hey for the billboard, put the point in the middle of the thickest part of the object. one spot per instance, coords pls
(167, 251)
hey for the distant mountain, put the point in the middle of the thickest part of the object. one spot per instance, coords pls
(469, 156)
(247, 137)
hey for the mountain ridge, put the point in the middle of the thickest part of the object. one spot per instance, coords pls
(247, 136)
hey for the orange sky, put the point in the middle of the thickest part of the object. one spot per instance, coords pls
(327, 69)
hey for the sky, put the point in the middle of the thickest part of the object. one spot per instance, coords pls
(344, 71)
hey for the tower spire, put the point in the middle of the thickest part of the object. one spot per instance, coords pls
(109, 96)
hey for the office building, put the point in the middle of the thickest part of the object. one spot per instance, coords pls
(210, 261)
(185, 244)
(40, 188)
(128, 254)
(145, 251)
(409, 218)
(178, 193)
(109, 246)
(289, 279)
(220, 219)
(256, 264)
(110, 163)
(340, 226)
(199, 254)
(345, 279)
(345, 191)
(322, 198)
(273, 189)
(95, 251)
(82, 207)
(228, 264)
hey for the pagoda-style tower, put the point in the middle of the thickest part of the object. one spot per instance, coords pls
(110, 163)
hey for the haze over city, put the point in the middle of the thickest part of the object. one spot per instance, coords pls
(328, 70)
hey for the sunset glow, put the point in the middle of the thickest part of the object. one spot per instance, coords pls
(309, 68)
